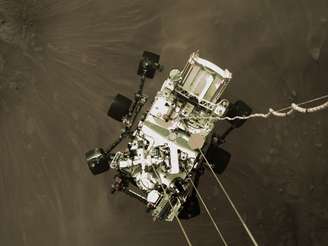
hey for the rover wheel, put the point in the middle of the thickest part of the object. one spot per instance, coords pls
(148, 63)
(119, 107)
(218, 157)
(191, 207)
(239, 108)
(96, 161)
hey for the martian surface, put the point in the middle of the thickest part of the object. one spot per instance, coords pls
(63, 61)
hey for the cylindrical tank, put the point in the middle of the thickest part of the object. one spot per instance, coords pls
(203, 79)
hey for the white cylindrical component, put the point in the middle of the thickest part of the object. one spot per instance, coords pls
(204, 79)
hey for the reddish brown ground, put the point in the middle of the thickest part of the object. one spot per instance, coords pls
(61, 63)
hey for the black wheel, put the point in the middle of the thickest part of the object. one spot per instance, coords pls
(96, 161)
(191, 207)
(148, 64)
(119, 107)
(218, 157)
(238, 108)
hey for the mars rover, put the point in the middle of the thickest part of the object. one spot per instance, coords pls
(162, 164)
